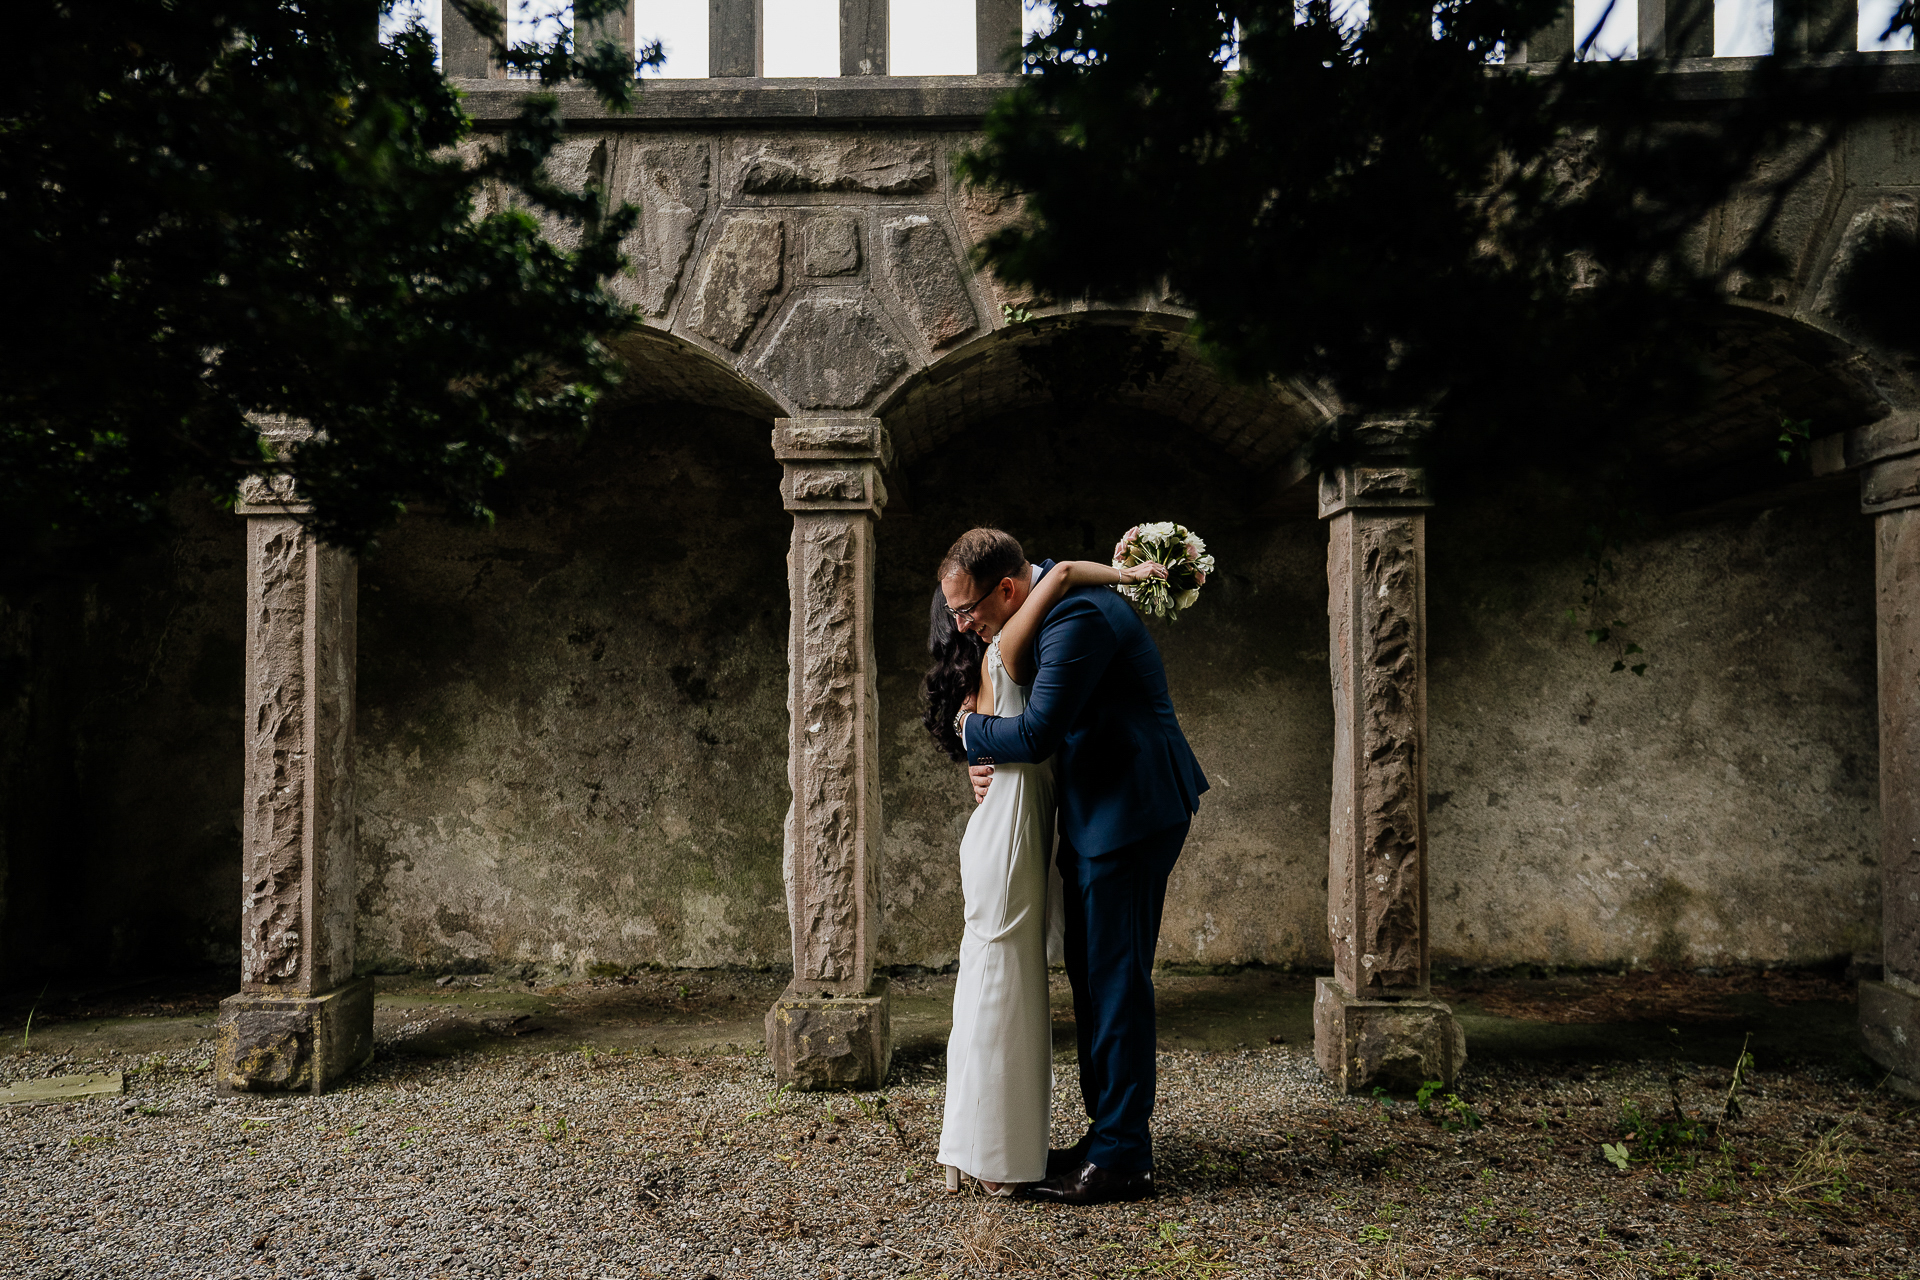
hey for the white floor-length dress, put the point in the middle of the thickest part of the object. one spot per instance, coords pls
(1000, 1055)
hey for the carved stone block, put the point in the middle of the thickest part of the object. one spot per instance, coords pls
(1345, 488)
(273, 1043)
(831, 353)
(298, 839)
(819, 1043)
(1396, 1045)
(670, 183)
(810, 439)
(741, 273)
(1377, 848)
(855, 163)
(922, 267)
(833, 854)
(1892, 484)
(833, 245)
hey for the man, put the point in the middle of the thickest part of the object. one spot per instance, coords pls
(1129, 786)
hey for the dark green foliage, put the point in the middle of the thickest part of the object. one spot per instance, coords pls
(218, 210)
(1383, 210)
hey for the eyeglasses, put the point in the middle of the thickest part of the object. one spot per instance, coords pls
(965, 612)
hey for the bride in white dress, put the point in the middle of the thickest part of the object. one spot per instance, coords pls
(1000, 1054)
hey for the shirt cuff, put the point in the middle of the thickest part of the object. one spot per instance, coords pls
(963, 732)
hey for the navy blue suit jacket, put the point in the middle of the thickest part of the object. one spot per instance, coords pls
(1099, 700)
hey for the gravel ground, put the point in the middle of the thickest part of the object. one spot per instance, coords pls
(635, 1163)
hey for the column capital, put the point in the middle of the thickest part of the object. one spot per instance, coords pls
(1381, 485)
(832, 464)
(274, 495)
(1380, 473)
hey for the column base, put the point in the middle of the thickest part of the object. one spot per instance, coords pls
(1397, 1045)
(1890, 1032)
(831, 1042)
(274, 1043)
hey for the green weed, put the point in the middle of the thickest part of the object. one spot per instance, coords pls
(1180, 1259)
(26, 1036)
(776, 1102)
(1451, 1112)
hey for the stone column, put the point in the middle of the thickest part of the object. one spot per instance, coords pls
(830, 1029)
(1890, 1007)
(1375, 1022)
(301, 1020)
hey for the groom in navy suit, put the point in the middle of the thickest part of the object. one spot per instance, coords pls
(1129, 789)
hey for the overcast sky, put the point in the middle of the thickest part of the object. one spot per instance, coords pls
(935, 37)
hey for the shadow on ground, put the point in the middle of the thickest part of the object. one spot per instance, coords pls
(1793, 1018)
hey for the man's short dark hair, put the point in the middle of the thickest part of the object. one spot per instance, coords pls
(985, 555)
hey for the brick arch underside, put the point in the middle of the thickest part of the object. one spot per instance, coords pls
(658, 368)
(1765, 369)
(1135, 360)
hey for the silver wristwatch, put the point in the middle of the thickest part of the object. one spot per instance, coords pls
(960, 724)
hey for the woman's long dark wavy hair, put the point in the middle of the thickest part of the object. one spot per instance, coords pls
(955, 673)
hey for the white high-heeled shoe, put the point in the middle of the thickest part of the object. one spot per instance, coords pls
(955, 1178)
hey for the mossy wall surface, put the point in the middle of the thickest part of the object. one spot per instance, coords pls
(572, 726)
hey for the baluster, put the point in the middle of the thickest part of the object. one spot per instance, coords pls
(1676, 29)
(1549, 44)
(996, 35)
(863, 37)
(736, 38)
(464, 52)
(1815, 26)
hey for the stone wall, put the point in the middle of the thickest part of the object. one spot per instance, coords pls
(1724, 809)
(572, 726)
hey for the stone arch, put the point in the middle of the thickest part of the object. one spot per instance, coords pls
(660, 367)
(1138, 359)
(1768, 367)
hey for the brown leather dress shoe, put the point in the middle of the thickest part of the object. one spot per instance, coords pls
(1090, 1184)
(1064, 1160)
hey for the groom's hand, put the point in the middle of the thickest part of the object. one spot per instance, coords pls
(980, 775)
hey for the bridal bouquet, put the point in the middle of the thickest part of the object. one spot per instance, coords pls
(1183, 554)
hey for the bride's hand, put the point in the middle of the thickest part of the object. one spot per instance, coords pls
(1142, 572)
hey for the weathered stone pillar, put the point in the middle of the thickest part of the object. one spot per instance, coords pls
(1890, 1007)
(830, 1029)
(301, 1020)
(1376, 1022)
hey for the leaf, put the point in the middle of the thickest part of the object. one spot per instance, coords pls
(1617, 666)
(1616, 1153)
(1638, 668)
(1596, 634)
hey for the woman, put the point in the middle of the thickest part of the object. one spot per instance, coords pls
(1000, 1055)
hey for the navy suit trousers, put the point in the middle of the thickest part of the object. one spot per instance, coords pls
(1113, 905)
